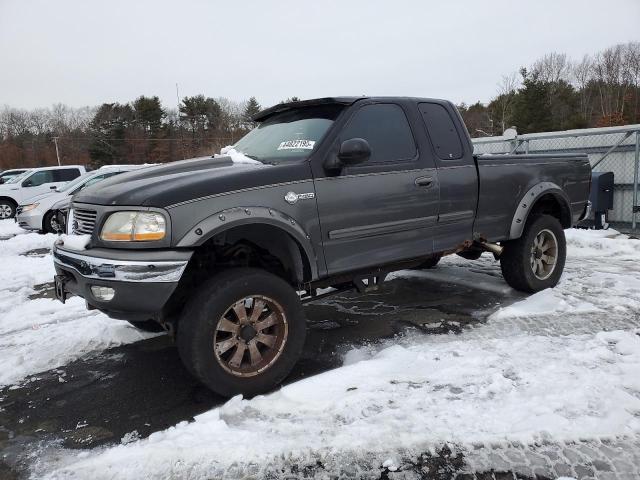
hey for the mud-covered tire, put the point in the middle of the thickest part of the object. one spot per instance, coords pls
(208, 315)
(147, 326)
(430, 262)
(518, 257)
(7, 209)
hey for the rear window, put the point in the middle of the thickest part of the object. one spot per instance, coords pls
(442, 131)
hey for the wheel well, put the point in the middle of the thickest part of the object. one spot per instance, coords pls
(255, 245)
(551, 204)
(11, 200)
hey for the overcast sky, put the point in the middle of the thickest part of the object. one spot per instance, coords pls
(88, 52)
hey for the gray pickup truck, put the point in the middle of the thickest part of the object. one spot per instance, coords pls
(324, 195)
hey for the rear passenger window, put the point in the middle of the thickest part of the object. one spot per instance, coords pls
(387, 130)
(65, 174)
(442, 131)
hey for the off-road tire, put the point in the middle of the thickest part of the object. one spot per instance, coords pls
(431, 262)
(150, 326)
(199, 324)
(8, 205)
(516, 262)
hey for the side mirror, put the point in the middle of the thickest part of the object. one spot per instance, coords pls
(354, 151)
(1, 181)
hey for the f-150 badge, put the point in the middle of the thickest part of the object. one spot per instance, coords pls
(293, 197)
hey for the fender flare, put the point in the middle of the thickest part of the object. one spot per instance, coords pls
(224, 220)
(528, 201)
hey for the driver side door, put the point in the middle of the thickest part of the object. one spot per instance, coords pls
(384, 209)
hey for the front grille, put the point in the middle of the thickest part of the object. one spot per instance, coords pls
(84, 221)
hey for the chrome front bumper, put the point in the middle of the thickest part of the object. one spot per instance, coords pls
(109, 269)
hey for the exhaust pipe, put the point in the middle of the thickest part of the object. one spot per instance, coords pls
(492, 247)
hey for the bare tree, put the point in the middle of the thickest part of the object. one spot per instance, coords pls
(582, 73)
(552, 68)
(609, 72)
(632, 71)
(506, 96)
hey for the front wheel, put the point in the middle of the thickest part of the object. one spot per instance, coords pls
(50, 223)
(535, 261)
(242, 332)
(7, 209)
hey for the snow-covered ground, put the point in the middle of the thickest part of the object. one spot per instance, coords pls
(41, 334)
(559, 366)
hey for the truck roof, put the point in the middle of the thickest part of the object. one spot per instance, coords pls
(281, 107)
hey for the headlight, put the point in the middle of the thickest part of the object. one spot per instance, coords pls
(134, 227)
(28, 208)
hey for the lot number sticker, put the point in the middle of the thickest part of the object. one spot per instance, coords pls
(297, 144)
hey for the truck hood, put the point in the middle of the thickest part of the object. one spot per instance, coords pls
(176, 182)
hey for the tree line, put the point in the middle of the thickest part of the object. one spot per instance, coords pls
(554, 93)
(141, 131)
(559, 93)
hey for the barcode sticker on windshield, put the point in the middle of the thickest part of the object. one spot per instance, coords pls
(297, 144)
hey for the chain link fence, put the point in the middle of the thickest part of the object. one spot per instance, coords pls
(610, 149)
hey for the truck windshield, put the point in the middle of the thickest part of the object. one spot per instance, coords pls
(289, 135)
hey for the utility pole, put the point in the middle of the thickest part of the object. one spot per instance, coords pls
(178, 122)
(55, 140)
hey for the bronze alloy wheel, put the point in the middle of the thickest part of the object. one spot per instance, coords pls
(544, 252)
(250, 336)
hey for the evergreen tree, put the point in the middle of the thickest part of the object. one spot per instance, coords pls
(531, 112)
(149, 113)
(250, 110)
(107, 132)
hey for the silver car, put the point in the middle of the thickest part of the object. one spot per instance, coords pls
(39, 213)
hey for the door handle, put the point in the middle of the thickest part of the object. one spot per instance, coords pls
(424, 182)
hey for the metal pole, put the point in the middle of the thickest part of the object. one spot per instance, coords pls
(55, 140)
(635, 182)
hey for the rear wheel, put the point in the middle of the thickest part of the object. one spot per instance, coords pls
(242, 332)
(7, 209)
(535, 261)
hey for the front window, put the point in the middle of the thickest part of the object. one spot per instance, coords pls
(289, 135)
(18, 177)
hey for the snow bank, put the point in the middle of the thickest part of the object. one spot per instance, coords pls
(9, 227)
(410, 398)
(561, 364)
(40, 334)
(236, 156)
